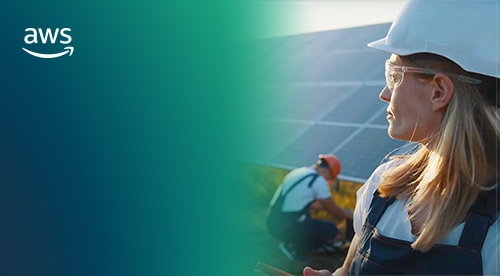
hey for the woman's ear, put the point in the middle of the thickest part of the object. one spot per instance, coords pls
(442, 91)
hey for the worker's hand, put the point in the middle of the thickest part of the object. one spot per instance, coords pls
(311, 272)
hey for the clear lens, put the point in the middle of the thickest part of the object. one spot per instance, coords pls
(388, 81)
(393, 78)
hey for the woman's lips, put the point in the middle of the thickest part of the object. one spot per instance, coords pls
(389, 114)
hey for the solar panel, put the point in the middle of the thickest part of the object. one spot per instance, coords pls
(359, 107)
(315, 140)
(381, 120)
(308, 102)
(268, 138)
(322, 97)
(365, 152)
(348, 66)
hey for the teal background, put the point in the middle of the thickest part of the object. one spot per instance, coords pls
(116, 160)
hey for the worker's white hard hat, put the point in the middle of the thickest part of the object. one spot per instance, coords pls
(466, 32)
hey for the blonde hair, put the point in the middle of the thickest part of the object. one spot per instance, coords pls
(443, 181)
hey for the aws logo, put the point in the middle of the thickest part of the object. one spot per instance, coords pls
(33, 38)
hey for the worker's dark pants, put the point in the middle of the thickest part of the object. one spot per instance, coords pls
(309, 235)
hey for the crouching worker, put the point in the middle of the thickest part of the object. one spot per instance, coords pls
(289, 218)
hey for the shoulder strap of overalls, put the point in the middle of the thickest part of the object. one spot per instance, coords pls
(300, 180)
(378, 207)
(479, 219)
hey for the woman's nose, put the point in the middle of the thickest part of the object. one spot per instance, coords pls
(385, 95)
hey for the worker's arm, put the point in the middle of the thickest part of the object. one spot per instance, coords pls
(316, 206)
(341, 271)
(332, 208)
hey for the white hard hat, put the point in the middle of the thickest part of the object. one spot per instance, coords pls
(466, 32)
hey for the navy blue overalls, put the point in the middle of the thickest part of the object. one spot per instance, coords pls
(380, 255)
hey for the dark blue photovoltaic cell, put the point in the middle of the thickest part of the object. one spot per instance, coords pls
(359, 107)
(267, 138)
(319, 139)
(352, 67)
(380, 64)
(270, 101)
(381, 119)
(342, 67)
(366, 151)
(312, 102)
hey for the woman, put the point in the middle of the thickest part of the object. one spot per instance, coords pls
(434, 212)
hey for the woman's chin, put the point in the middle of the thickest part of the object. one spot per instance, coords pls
(397, 135)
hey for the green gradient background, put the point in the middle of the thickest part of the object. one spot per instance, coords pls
(114, 161)
(253, 68)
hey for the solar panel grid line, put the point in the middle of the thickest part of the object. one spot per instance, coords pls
(337, 52)
(266, 163)
(344, 68)
(284, 120)
(375, 115)
(367, 151)
(320, 122)
(343, 99)
(284, 134)
(312, 45)
(379, 74)
(355, 133)
(307, 103)
(288, 167)
(346, 141)
(311, 124)
(381, 120)
(292, 141)
(340, 67)
(375, 74)
(322, 66)
(290, 47)
(351, 178)
(319, 139)
(312, 41)
(358, 108)
(348, 68)
(302, 43)
(273, 49)
(335, 83)
(371, 126)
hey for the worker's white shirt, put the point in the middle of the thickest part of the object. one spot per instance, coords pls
(301, 195)
(395, 223)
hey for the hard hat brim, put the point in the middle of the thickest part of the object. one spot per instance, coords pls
(382, 45)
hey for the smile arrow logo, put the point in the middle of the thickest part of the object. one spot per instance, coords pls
(50, 55)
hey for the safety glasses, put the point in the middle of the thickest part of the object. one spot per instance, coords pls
(394, 75)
